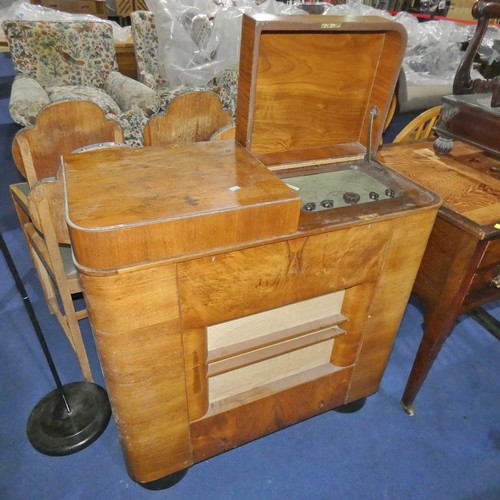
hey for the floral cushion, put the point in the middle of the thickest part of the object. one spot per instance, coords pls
(84, 93)
(132, 123)
(27, 100)
(131, 94)
(226, 87)
(62, 52)
(167, 94)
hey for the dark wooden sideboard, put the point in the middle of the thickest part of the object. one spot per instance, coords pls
(461, 265)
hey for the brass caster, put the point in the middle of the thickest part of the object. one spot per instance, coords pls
(408, 409)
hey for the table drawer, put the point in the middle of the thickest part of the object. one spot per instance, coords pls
(491, 256)
(483, 282)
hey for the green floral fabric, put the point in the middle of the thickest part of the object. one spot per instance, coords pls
(62, 52)
(27, 98)
(226, 84)
(84, 93)
(131, 94)
(145, 40)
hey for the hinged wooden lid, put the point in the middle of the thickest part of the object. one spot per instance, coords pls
(307, 84)
(127, 206)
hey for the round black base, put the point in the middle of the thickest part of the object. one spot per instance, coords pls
(53, 431)
(352, 407)
(165, 482)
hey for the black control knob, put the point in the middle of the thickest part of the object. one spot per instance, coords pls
(309, 207)
(390, 193)
(351, 198)
(373, 195)
(327, 203)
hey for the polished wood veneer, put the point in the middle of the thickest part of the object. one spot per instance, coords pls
(221, 310)
(152, 309)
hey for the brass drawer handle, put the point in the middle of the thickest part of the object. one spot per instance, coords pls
(495, 282)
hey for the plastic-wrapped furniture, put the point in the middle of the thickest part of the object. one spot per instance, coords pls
(413, 97)
(145, 39)
(74, 60)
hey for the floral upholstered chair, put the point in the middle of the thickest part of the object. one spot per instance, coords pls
(74, 60)
(146, 54)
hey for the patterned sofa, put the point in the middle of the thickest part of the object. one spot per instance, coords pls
(74, 60)
(145, 39)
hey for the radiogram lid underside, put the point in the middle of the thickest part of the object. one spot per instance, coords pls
(307, 84)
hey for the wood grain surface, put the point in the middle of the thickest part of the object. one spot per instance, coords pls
(468, 180)
(177, 298)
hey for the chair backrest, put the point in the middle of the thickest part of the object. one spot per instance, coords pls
(145, 39)
(62, 52)
(60, 128)
(191, 117)
(46, 208)
(227, 132)
(420, 127)
(391, 112)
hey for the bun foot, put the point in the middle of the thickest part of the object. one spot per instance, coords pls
(165, 482)
(351, 407)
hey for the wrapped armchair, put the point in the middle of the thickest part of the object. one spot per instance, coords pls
(146, 54)
(74, 60)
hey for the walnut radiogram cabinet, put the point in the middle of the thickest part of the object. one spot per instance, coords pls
(236, 287)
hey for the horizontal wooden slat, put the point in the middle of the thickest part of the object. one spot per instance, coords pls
(273, 387)
(274, 337)
(270, 351)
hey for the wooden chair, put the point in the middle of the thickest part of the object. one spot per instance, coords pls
(41, 211)
(60, 129)
(420, 127)
(191, 117)
(392, 111)
(49, 243)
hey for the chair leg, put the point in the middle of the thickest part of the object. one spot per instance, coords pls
(58, 294)
(68, 319)
(54, 282)
(45, 281)
(78, 345)
(69, 322)
(20, 205)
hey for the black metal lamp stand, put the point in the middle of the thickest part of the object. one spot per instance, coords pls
(72, 416)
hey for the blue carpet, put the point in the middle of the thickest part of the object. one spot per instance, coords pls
(449, 450)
